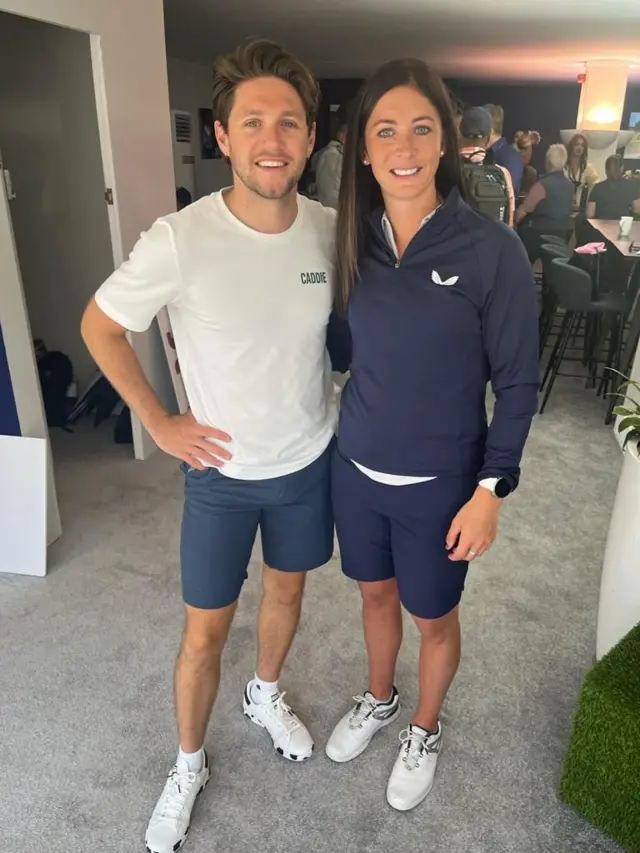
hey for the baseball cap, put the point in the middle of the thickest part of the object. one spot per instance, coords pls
(475, 124)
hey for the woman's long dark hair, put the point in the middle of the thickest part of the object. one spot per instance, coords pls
(359, 190)
(584, 158)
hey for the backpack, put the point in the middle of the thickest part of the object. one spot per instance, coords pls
(56, 375)
(487, 190)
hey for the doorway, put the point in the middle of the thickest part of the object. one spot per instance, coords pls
(55, 190)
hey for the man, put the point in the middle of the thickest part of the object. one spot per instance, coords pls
(475, 131)
(246, 275)
(499, 149)
(328, 163)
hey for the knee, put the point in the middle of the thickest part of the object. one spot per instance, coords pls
(379, 595)
(285, 590)
(439, 631)
(201, 644)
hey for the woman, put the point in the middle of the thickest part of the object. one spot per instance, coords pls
(580, 172)
(440, 299)
(548, 205)
(615, 197)
(523, 142)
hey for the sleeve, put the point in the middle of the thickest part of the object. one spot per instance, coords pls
(339, 343)
(328, 175)
(595, 196)
(510, 331)
(148, 281)
(534, 197)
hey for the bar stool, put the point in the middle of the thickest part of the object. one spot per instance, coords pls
(548, 253)
(572, 289)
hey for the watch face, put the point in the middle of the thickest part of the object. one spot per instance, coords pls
(502, 488)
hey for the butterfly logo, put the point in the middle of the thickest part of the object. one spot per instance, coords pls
(435, 278)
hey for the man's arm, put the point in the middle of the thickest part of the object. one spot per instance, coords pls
(328, 176)
(531, 201)
(129, 300)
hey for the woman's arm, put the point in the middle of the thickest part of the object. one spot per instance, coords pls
(591, 210)
(510, 331)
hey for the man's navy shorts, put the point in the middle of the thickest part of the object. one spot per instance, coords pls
(222, 516)
(389, 531)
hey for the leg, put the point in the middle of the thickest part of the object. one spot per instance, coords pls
(197, 672)
(278, 619)
(439, 659)
(382, 622)
(219, 526)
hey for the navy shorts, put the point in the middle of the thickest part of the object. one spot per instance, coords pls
(222, 516)
(400, 532)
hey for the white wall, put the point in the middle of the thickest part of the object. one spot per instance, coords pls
(50, 143)
(189, 90)
(130, 72)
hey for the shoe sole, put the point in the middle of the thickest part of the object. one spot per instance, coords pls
(289, 756)
(361, 749)
(180, 843)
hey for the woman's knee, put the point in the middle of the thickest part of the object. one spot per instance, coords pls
(439, 630)
(379, 595)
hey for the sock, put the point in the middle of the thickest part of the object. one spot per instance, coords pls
(424, 732)
(384, 701)
(262, 691)
(194, 760)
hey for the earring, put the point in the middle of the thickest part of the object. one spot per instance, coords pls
(365, 162)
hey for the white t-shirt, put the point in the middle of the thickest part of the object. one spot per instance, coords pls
(249, 313)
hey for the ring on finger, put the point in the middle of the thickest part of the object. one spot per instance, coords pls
(473, 554)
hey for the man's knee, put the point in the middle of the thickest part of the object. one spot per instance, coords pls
(205, 634)
(283, 588)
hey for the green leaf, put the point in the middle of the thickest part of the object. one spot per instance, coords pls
(629, 423)
(624, 412)
(632, 435)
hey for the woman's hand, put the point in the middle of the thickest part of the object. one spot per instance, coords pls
(475, 527)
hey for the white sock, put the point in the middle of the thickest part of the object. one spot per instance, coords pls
(194, 760)
(262, 691)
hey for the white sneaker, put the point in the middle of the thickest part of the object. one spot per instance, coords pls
(169, 824)
(355, 730)
(290, 736)
(413, 773)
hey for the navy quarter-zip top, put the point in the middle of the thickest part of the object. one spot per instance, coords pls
(428, 333)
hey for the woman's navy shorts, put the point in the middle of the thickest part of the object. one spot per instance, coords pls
(400, 532)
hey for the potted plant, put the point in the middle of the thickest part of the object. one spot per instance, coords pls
(619, 606)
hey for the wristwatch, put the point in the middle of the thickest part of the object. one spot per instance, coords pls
(498, 486)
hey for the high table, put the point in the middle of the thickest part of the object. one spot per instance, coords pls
(610, 230)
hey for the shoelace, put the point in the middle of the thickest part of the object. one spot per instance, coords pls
(282, 713)
(365, 707)
(416, 746)
(176, 795)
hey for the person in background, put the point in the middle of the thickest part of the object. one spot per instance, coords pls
(439, 301)
(475, 130)
(500, 151)
(328, 163)
(616, 196)
(183, 198)
(548, 205)
(246, 276)
(524, 142)
(580, 172)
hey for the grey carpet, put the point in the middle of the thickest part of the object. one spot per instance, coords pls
(86, 717)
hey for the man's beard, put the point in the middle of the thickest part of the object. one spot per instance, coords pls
(272, 194)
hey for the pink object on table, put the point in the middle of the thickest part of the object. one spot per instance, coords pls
(591, 249)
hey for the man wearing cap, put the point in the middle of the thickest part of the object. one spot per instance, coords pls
(475, 131)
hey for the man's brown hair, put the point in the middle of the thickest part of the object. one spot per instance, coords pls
(261, 58)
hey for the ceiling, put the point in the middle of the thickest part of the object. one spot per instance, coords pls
(516, 40)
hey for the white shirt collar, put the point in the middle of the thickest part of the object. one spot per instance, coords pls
(388, 230)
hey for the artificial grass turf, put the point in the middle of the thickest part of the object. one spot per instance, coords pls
(601, 776)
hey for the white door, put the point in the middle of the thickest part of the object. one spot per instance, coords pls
(16, 332)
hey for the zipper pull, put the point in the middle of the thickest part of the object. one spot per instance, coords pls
(397, 264)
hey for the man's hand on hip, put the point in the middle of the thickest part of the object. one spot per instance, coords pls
(183, 437)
